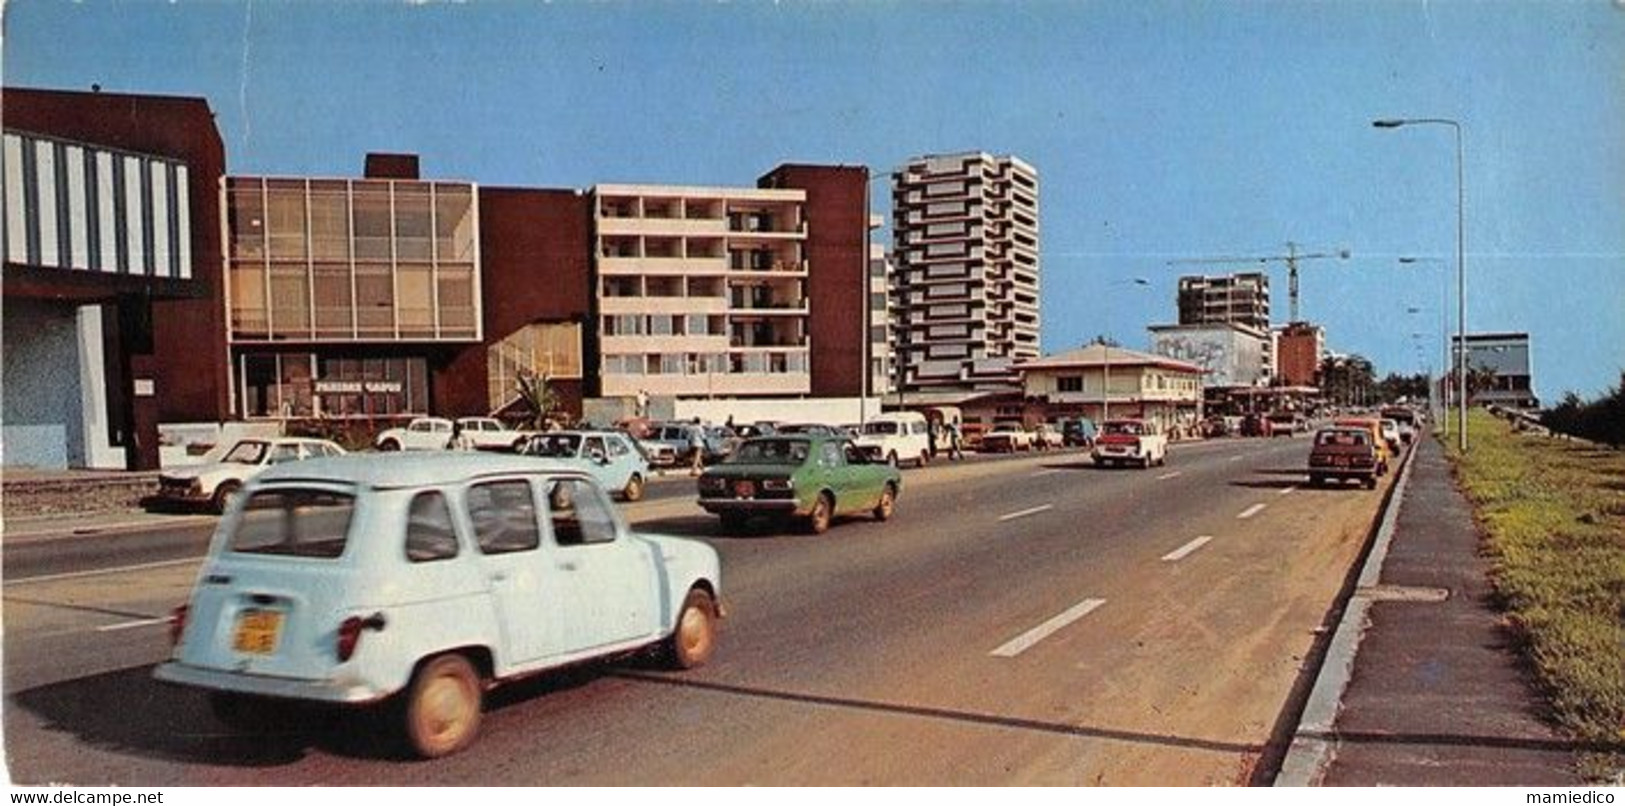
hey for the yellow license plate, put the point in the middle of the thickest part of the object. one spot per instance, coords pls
(257, 632)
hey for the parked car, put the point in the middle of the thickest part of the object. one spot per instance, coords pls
(1384, 454)
(1409, 420)
(818, 429)
(214, 483)
(1343, 453)
(1390, 432)
(413, 587)
(1048, 437)
(1007, 436)
(1130, 441)
(610, 457)
(812, 477)
(679, 437)
(1256, 425)
(1079, 432)
(422, 434)
(897, 437)
(491, 434)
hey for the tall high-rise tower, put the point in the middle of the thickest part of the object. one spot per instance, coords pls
(965, 234)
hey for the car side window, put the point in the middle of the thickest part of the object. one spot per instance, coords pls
(617, 447)
(853, 455)
(831, 455)
(429, 533)
(504, 516)
(594, 444)
(283, 453)
(580, 516)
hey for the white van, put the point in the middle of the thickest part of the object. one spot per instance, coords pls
(897, 437)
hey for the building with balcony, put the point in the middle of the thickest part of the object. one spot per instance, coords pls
(882, 338)
(1100, 381)
(965, 303)
(112, 272)
(701, 291)
(345, 296)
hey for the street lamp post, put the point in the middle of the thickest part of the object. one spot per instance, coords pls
(1106, 362)
(1461, 264)
(1444, 341)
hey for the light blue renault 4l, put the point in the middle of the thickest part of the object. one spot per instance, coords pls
(414, 586)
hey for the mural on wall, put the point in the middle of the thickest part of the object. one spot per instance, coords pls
(1229, 358)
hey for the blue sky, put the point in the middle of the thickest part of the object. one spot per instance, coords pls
(1160, 130)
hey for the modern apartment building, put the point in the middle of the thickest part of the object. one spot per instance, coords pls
(882, 338)
(701, 291)
(965, 238)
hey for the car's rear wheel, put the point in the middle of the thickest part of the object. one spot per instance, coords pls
(887, 505)
(389, 445)
(1317, 481)
(633, 491)
(695, 637)
(1370, 482)
(224, 494)
(443, 706)
(823, 512)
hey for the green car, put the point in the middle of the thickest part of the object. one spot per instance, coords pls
(808, 476)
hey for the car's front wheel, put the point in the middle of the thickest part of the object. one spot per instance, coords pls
(443, 706)
(695, 637)
(389, 445)
(224, 494)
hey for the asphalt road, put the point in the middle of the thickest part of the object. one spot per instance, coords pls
(1025, 621)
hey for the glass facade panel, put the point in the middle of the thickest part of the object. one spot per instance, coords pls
(246, 219)
(454, 223)
(374, 300)
(290, 302)
(285, 220)
(329, 225)
(456, 298)
(370, 209)
(333, 301)
(248, 308)
(413, 232)
(415, 300)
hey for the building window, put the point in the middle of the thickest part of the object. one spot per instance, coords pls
(1069, 383)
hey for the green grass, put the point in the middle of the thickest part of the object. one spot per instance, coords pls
(1554, 515)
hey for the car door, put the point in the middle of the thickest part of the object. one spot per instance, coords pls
(624, 459)
(606, 581)
(835, 474)
(508, 536)
(865, 478)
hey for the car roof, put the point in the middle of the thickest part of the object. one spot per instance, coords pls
(393, 470)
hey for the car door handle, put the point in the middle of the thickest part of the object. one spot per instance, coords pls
(499, 577)
(567, 566)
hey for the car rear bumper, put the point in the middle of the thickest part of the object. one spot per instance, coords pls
(350, 692)
(778, 506)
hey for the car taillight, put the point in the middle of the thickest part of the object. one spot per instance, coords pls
(177, 624)
(349, 635)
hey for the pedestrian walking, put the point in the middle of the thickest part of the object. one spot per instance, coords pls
(956, 444)
(696, 446)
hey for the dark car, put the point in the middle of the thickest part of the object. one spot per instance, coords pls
(1079, 432)
(1343, 454)
(1256, 425)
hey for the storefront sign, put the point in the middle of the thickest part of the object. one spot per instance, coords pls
(330, 387)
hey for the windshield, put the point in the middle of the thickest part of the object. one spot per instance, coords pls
(772, 452)
(880, 428)
(1130, 428)
(247, 452)
(559, 445)
(1349, 437)
(295, 523)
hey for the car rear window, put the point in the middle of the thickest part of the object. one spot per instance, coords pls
(294, 523)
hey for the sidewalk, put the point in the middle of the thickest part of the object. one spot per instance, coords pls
(1438, 696)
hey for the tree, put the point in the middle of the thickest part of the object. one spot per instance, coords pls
(1104, 339)
(539, 398)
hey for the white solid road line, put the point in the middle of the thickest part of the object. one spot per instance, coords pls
(125, 625)
(1046, 472)
(1174, 475)
(1251, 511)
(1184, 551)
(1237, 458)
(1025, 641)
(1024, 513)
(1288, 491)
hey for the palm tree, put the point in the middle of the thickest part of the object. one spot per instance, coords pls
(541, 401)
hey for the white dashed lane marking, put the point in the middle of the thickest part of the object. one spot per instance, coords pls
(1184, 551)
(1024, 513)
(1174, 475)
(1250, 511)
(1288, 491)
(1026, 640)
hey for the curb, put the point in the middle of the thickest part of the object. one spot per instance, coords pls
(1311, 747)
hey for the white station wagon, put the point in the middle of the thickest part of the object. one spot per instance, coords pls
(363, 580)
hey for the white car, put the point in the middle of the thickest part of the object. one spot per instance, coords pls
(215, 482)
(422, 434)
(897, 437)
(416, 586)
(490, 434)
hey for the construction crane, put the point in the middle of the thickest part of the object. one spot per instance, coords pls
(1291, 259)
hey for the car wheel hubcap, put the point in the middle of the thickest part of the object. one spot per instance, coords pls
(695, 633)
(445, 710)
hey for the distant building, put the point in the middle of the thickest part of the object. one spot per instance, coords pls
(1099, 381)
(965, 230)
(882, 338)
(1231, 354)
(1507, 356)
(1298, 351)
(1243, 299)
